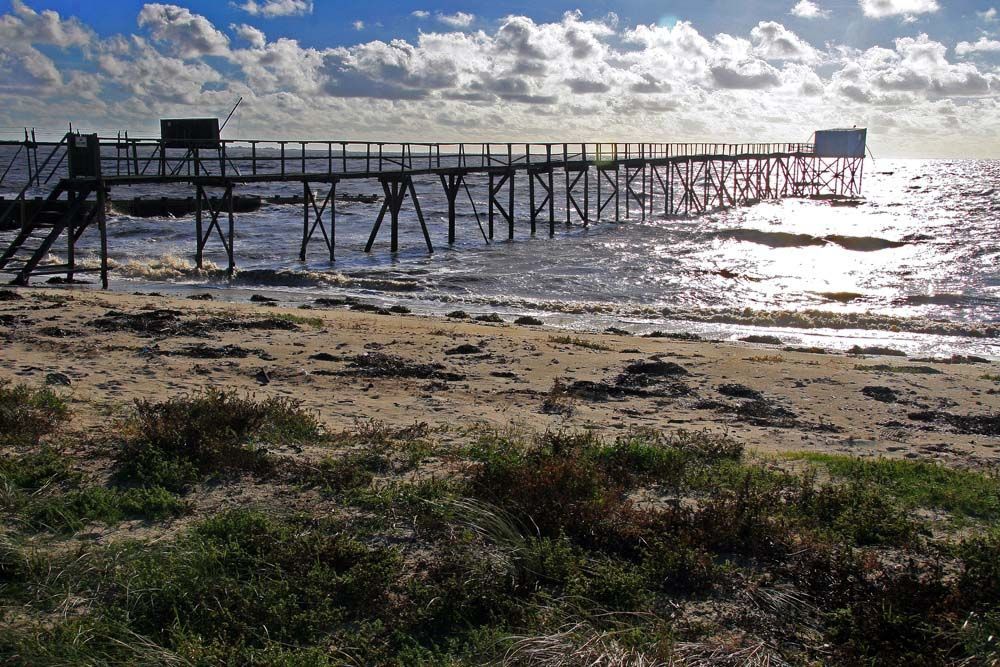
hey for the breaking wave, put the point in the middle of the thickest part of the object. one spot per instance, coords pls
(167, 267)
(174, 268)
(792, 319)
(822, 319)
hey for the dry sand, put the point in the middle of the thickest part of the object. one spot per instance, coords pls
(809, 401)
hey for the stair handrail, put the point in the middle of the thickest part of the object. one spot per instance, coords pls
(22, 195)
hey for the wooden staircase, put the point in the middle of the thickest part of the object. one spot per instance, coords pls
(24, 256)
(56, 217)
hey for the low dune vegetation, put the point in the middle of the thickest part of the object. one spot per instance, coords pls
(218, 528)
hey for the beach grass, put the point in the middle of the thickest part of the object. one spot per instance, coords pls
(507, 546)
(963, 494)
(178, 442)
(313, 322)
(576, 341)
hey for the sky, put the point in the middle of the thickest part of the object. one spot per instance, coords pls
(922, 75)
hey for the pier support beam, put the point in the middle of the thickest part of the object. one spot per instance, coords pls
(543, 177)
(718, 181)
(656, 177)
(313, 217)
(215, 208)
(633, 174)
(452, 183)
(496, 187)
(102, 226)
(608, 174)
(396, 188)
(582, 173)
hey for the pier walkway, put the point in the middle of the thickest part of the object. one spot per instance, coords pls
(592, 182)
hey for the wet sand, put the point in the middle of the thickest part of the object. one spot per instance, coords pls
(104, 350)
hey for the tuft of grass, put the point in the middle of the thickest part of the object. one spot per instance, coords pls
(239, 588)
(41, 491)
(72, 511)
(36, 470)
(187, 439)
(354, 470)
(990, 377)
(767, 359)
(28, 414)
(576, 341)
(964, 494)
(314, 322)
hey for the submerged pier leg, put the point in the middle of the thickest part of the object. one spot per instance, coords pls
(542, 177)
(231, 268)
(451, 184)
(582, 211)
(215, 210)
(307, 196)
(102, 226)
(533, 213)
(492, 190)
(313, 218)
(394, 188)
(198, 253)
(633, 174)
(71, 235)
(398, 193)
(644, 197)
(510, 205)
(420, 214)
(496, 186)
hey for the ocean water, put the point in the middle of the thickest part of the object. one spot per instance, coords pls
(916, 266)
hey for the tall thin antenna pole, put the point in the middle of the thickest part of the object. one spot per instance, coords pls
(238, 102)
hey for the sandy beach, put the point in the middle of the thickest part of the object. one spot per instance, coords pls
(499, 492)
(104, 350)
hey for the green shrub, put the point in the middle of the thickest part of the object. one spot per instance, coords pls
(858, 513)
(674, 567)
(353, 470)
(613, 585)
(966, 494)
(36, 470)
(183, 440)
(27, 415)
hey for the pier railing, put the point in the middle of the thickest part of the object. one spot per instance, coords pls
(236, 158)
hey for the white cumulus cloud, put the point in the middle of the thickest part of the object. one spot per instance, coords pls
(191, 35)
(807, 9)
(456, 20)
(255, 37)
(773, 41)
(880, 9)
(982, 45)
(272, 8)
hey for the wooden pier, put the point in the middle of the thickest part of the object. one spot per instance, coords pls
(593, 181)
